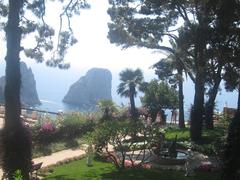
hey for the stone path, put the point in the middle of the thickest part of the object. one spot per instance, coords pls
(1, 123)
(54, 158)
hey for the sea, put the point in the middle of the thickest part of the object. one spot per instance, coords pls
(53, 84)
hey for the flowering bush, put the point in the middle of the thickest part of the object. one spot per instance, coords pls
(47, 127)
(67, 128)
(44, 132)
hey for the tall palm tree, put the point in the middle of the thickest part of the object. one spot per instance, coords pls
(171, 68)
(130, 80)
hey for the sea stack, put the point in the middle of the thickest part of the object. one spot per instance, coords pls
(88, 90)
(28, 91)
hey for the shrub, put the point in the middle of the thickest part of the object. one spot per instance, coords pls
(125, 138)
(182, 134)
(75, 125)
(45, 131)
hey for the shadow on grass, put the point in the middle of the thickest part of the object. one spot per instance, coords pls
(60, 177)
(143, 174)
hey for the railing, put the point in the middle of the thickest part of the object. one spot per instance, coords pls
(31, 109)
(31, 115)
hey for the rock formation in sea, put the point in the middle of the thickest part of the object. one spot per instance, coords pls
(88, 90)
(28, 91)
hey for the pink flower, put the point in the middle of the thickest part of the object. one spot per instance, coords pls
(48, 127)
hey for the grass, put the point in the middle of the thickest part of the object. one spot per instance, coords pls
(211, 144)
(182, 134)
(106, 171)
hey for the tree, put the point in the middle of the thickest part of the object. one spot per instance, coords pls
(169, 64)
(108, 108)
(232, 80)
(16, 138)
(130, 80)
(145, 23)
(231, 158)
(171, 68)
(159, 96)
(222, 52)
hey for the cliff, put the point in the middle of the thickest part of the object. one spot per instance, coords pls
(28, 91)
(89, 89)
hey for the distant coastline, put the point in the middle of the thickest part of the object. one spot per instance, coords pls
(52, 85)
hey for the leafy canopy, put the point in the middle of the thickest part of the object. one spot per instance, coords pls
(33, 23)
(130, 79)
(159, 95)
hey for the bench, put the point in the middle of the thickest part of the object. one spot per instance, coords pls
(35, 168)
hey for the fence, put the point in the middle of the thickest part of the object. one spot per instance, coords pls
(31, 115)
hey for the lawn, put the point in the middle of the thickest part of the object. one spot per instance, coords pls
(105, 171)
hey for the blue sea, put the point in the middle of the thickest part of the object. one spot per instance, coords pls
(53, 84)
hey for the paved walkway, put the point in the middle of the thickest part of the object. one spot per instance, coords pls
(54, 158)
(1, 122)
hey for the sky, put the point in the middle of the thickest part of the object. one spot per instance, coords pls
(93, 47)
(92, 50)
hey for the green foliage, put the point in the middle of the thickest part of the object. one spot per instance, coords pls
(231, 78)
(159, 96)
(44, 131)
(231, 150)
(145, 24)
(127, 30)
(18, 175)
(54, 135)
(74, 125)
(44, 33)
(224, 121)
(212, 144)
(124, 137)
(130, 79)
(108, 109)
(172, 132)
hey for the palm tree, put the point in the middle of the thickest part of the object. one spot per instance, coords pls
(130, 80)
(108, 108)
(171, 68)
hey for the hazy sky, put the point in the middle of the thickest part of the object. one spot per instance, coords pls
(93, 48)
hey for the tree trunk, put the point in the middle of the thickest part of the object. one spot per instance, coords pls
(210, 104)
(132, 102)
(16, 141)
(197, 111)
(181, 98)
(198, 106)
(209, 111)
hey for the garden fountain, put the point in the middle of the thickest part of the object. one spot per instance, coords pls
(168, 154)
